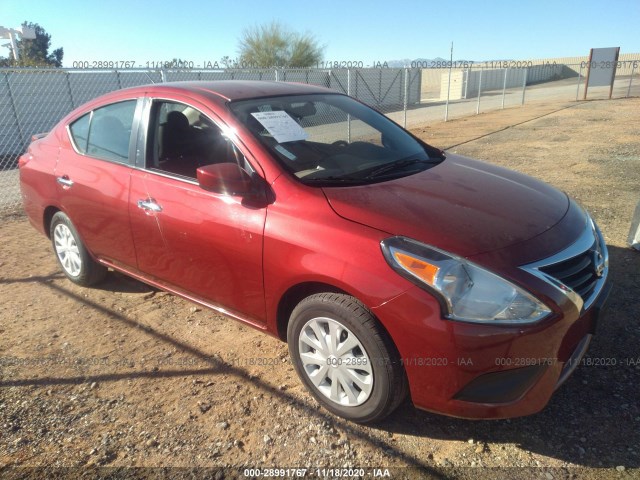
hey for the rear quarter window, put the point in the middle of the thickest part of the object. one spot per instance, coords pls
(80, 132)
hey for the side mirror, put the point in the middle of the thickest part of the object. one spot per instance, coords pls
(226, 178)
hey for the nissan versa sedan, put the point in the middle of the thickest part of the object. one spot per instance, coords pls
(390, 267)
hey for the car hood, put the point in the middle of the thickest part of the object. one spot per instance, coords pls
(463, 206)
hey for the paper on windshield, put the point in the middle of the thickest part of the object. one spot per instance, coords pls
(281, 126)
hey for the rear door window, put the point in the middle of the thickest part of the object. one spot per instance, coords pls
(110, 131)
(105, 133)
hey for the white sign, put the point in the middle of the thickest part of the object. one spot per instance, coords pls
(602, 66)
(281, 126)
(28, 33)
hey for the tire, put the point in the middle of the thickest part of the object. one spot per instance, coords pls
(357, 376)
(73, 257)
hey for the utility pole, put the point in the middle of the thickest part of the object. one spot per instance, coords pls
(12, 34)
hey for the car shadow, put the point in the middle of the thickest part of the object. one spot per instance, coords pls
(113, 282)
(121, 283)
(34, 279)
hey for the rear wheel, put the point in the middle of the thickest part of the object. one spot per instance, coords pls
(345, 358)
(71, 253)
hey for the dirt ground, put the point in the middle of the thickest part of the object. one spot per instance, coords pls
(123, 375)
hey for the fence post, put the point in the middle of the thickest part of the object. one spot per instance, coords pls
(466, 84)
(446, 106)
(479, 91)
(504, 85)
(73, 103)
(406, 93)
(524, 84)
(586, 79)
(163, 76)
(379, 88)
(633, 70)
(349, 115)
(578, 87)
(276, 72)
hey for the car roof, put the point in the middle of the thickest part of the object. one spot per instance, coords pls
(236, 89)
(216, 91)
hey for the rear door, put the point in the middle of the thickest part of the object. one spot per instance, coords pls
(204, 245)
(93, 177)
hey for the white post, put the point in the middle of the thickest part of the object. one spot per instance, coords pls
(479, 91)
(446, 107)
(504, 85)
(524, 84)
(466, 84)
(14, 44)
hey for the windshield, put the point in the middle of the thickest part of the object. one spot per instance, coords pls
(328, 139)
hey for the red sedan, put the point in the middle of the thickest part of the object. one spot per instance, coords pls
(389, 266)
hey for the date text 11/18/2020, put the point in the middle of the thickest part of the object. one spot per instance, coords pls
(217, 65)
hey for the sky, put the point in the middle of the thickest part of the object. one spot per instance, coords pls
(371, 31)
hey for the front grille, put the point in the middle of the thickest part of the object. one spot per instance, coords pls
(577, 273)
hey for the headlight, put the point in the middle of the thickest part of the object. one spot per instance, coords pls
(466, 291)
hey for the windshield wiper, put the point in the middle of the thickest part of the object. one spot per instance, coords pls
(332, 179)
(400, 164)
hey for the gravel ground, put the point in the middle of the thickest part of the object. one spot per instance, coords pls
(126, 380)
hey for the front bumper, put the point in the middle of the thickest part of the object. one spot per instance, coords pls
(484, 371)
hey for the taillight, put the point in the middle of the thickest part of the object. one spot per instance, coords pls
(22, 161)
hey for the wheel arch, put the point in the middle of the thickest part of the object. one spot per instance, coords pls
(49, 212)
(296, 293)
(293, 296)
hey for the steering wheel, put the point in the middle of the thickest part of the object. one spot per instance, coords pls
(340, 143)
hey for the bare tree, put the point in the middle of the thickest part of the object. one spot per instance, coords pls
(274, 45)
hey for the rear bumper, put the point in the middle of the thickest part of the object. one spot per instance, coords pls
(483, 371)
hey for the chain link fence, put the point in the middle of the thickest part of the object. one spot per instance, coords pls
(32, 101)
(483, 87)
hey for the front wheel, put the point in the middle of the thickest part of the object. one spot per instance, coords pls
(72, 255)
(344, 357)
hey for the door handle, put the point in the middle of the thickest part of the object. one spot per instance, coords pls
(65, 181)
(150, 205)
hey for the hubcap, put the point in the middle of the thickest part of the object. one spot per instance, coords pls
(67, 250)
(336, 362)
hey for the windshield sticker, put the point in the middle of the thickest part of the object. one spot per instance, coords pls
(281, 126)
(285, 152)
